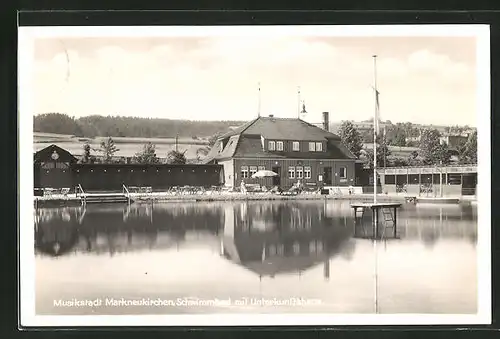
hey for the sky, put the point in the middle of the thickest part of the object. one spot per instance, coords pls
(428, 80)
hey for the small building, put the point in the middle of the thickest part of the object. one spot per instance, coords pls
(52, 167)
(435, 181)
(292, 148)
(56, 168)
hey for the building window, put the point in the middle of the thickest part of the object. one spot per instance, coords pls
(253, 170)
(296, 146)
(244, 172)
(343, 173)
(300, 173)
(307, 172)
(262, 168)
(279, 145)
(319, 147)
(272, 145)
(312, 147)
(296, 248)
(291, 172)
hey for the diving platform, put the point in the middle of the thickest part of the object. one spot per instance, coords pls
(379, 225)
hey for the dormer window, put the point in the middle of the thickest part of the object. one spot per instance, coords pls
(296, 146)
(272, 145)
(279, 145)
(312, 147)
(319, 147)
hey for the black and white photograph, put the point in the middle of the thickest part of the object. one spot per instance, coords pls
(255, 175)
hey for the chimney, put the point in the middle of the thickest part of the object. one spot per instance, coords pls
(326, 121)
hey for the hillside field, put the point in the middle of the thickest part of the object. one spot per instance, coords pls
(127, 146)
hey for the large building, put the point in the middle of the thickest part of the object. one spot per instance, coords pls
(292, 148)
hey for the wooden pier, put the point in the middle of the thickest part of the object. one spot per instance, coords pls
(389, 212)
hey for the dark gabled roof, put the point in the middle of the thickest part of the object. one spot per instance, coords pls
(282, 129)
(287, 129)
(239, 129)
(252, 147)
(245, 141)
(227, 152)
(47, 153)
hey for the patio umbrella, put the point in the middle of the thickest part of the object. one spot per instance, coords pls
(264, 173)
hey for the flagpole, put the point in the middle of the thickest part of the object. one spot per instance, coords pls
(375, 130)
(298, 102)
(375, 215)
(258, 112)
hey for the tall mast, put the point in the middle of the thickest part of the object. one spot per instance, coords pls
(258, 110)
(375, 130)
(298, 102)
(375, 221)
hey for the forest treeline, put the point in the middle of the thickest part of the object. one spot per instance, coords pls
(115, 126)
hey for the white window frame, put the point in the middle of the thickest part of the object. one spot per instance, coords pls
(261, 168)
(279, 146)
(253, 170)
(319, 147)
(296, 146)
(307, 172)
(271, 145)
(291, 172)
(345, 172)
(312, 146)
(244, 172)
(300, 172)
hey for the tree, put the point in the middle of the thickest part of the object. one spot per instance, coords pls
(433, 152)
(397, 135)
(351, 138)
(383, 153)
(398, 162)
(468, 151)
(414, 159)
(147, 155)
(367, 135)
(176, 158)
(108, 148)
(85, 159)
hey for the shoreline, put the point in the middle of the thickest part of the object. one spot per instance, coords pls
(72, 200)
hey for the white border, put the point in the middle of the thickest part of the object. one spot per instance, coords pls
(27, 269)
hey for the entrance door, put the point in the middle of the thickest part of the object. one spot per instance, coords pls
(277, 179)
(327, 176)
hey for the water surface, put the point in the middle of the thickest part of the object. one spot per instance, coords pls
(261, 256)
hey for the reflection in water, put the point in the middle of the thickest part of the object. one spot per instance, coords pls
(272, 239)
(283, 245)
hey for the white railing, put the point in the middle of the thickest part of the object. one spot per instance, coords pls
(126, 192)
(80, 192)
